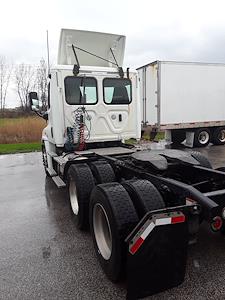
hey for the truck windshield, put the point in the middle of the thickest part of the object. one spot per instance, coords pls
(117, 91)
(81, 90)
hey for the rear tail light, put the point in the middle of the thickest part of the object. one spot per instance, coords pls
(216, 223)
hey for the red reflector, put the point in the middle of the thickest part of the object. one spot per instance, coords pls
(178, 219)
(216, 223)
(136, 245)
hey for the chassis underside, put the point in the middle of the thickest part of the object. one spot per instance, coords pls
(191, 193)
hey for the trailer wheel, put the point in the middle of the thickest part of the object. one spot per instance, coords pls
(178, 136)
(102, 172)
(144, 195)
(44, 158)
(218, 137)
(204, 162)
(112, 217)
(80, 183)
(202, 137)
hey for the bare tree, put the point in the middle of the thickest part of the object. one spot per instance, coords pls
(5, 75)
(25, 83)
(42, 83)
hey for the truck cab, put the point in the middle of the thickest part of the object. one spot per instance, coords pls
(96, 105)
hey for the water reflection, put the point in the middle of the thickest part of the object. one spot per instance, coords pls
(55, 197)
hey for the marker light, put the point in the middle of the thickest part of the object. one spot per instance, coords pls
(216, 223)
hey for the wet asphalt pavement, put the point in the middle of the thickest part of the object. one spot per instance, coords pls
(43, 255)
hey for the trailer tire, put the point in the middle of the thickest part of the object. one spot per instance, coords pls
(102, 172)
(112, 217)
(44, 159)
(204, 162)
(202, 137)
(144, 195)
(218, 136)
(80, 184)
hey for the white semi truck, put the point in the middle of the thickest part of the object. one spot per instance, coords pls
(142, 207)
(184, 99)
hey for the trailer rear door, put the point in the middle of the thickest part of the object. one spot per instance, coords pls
(148, 77)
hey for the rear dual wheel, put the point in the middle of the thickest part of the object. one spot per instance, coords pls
(81, 181)
(203, 136)
(112, 217)
(115, 209)
(102, 172)
(144, 195)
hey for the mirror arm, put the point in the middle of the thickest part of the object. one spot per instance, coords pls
(43, 115)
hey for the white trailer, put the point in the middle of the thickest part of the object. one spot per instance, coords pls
(184, 99)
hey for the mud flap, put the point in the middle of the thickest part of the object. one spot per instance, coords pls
(158, 261)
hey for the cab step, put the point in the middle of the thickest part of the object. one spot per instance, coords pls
(51, 172)
(52, 154)
(59, 182)
(60, 160)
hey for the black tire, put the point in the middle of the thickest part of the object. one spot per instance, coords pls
(204, 162)
(218, 136)
(80, 184)
(144, 195)
(178, 136)
(44, 159)
(102, 172)
(202, 137)
(111, 202)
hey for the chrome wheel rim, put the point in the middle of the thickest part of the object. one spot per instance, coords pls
(73, 197)
(203, 137)
(222, 136)
(102, 231)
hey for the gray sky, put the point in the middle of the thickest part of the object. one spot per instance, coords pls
(161, 29)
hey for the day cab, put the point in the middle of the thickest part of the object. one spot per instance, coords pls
(110, 100)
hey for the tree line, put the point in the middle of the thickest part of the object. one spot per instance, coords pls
(24, 78)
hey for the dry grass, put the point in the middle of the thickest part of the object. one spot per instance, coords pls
(21, 130)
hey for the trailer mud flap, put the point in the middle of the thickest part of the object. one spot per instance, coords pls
(157, 255)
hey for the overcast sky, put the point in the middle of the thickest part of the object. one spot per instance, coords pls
(162, 29)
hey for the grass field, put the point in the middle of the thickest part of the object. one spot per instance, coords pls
(20, 134)
(19, 148)
(21, 130)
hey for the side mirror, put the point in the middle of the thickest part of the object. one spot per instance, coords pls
(33, 100)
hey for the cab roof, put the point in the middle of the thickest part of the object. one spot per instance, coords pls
(98, 43)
